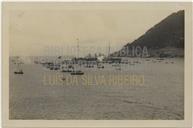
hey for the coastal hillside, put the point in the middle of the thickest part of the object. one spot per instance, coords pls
(165, 39)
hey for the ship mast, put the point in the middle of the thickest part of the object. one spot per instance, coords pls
(77, 48)
(109, 49)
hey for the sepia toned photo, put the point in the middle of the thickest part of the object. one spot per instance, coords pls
(96, 61)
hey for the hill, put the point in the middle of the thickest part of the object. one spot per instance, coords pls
(165, 39)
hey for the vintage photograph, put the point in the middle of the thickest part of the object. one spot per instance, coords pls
(97, 61)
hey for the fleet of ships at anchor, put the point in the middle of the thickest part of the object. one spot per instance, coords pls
(74, 65)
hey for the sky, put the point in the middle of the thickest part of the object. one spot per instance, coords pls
(38, 30)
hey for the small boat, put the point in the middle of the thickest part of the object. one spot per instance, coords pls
(66, 71)
(56, 67)
(53, 67)
(160, 58)
(77, 73)
(89, 66)
(69, 68)
(116, 65)
(137, 62)
(63, 78)
(18, 72)
(100, 66)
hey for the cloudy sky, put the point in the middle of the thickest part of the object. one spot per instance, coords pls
(55, 29)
